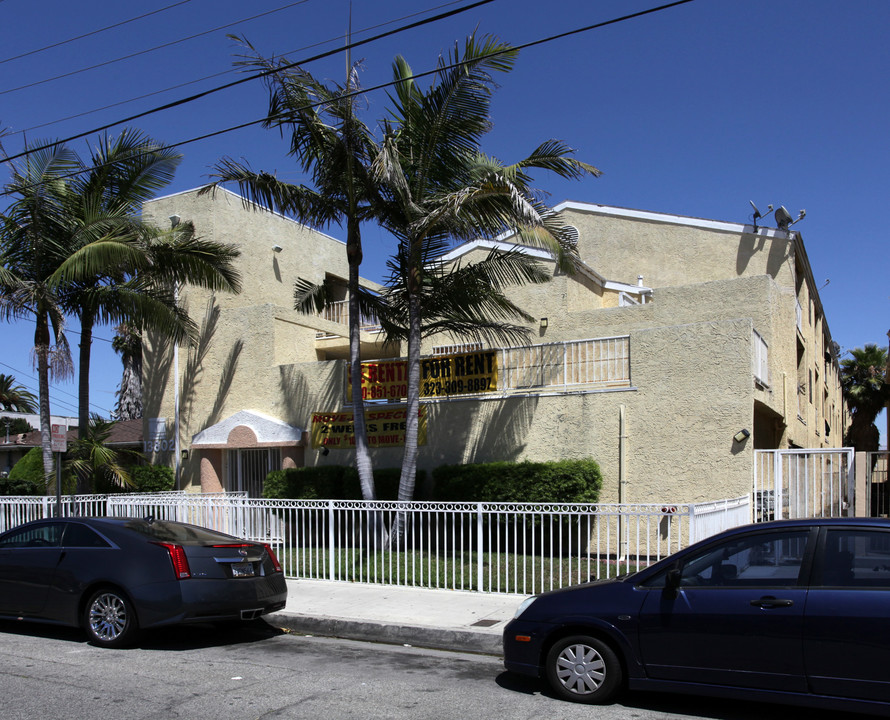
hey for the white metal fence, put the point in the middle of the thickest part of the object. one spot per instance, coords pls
(877, 486)
(487, 547)
(802, 483)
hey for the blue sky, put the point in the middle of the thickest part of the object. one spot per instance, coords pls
(694, 110)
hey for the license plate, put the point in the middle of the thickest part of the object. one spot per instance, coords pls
(242, 570)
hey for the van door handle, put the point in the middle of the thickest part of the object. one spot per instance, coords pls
(768, 601)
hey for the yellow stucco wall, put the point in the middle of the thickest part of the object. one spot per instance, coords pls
(692, 386)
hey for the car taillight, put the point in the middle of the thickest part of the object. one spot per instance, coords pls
(276, 566)
(178, 558)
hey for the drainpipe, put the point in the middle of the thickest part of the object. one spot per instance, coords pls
(622, 480)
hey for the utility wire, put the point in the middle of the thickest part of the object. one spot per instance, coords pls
(93, 32)
(152, 49)
(362, 91)
(249, 78)
(224, 72)
(20, 373)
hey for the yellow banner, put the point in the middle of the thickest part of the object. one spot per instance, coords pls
(440, 376)
(386, 428)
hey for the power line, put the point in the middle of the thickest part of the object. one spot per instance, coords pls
(362, 91)
(230, 71)
(93, 32)
(152, 49)
(64, 403)
(258, 76)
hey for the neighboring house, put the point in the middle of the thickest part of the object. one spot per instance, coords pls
(680, 347)
(125, 435)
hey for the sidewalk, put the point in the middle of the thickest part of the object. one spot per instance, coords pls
(444, 619)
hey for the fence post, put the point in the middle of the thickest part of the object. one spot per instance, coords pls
(479, 545)
(331, 540)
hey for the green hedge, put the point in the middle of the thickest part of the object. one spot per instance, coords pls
(26, 476)
(562, 481)
(151, 478)
(332, 482)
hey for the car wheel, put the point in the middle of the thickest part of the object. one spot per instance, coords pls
(583, 669)
(109, 618)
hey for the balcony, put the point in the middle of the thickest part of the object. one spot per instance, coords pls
(332, 342)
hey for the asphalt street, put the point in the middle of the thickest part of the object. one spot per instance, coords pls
(263, 671)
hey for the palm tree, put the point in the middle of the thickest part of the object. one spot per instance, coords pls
(866, 391)
(444, 189)
(104, 467)
(127, 343)
(335, 149)
(119, 269)
(33, 243)
(110, 275)
(15, 398)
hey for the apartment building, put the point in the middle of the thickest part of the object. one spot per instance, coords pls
(679, 347)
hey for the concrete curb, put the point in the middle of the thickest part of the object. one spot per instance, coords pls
(394, 634)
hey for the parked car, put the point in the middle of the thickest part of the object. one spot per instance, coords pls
(788, 611)
(117, 576)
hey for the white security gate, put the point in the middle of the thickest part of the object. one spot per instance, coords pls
(877, 485)
(802, 483)
(248, 469)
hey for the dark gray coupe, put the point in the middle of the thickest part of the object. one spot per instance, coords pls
(117, 576)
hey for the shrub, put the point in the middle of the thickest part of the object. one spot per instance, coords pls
(26, 476)
(334, 482)
(561, 481)
(151, 478)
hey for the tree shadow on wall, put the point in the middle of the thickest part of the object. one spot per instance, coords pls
(297, 397)
(495, 430)
(225, 383)
(197, 353)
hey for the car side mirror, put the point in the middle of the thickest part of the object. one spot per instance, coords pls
(672, 580)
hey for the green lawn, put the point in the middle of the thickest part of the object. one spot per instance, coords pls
(501, 572)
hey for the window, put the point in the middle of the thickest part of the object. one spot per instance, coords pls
(759, 560)
(855, 558)
(45, 535)
(77, 535)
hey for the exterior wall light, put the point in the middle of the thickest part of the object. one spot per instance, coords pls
(543, 323)
(741, 435)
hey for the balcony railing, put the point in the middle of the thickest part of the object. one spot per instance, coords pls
(600, 361)
(338, 312)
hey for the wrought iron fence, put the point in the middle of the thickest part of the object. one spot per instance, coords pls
(487, 547)
(802, 483)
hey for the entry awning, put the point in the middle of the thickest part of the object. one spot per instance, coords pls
(248, 429)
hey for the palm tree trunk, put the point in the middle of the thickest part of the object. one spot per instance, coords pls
(362, 452)
(412, 409)
(41, 348)
(83, 392)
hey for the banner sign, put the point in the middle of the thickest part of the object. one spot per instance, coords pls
(386, 428)
(440, 376)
